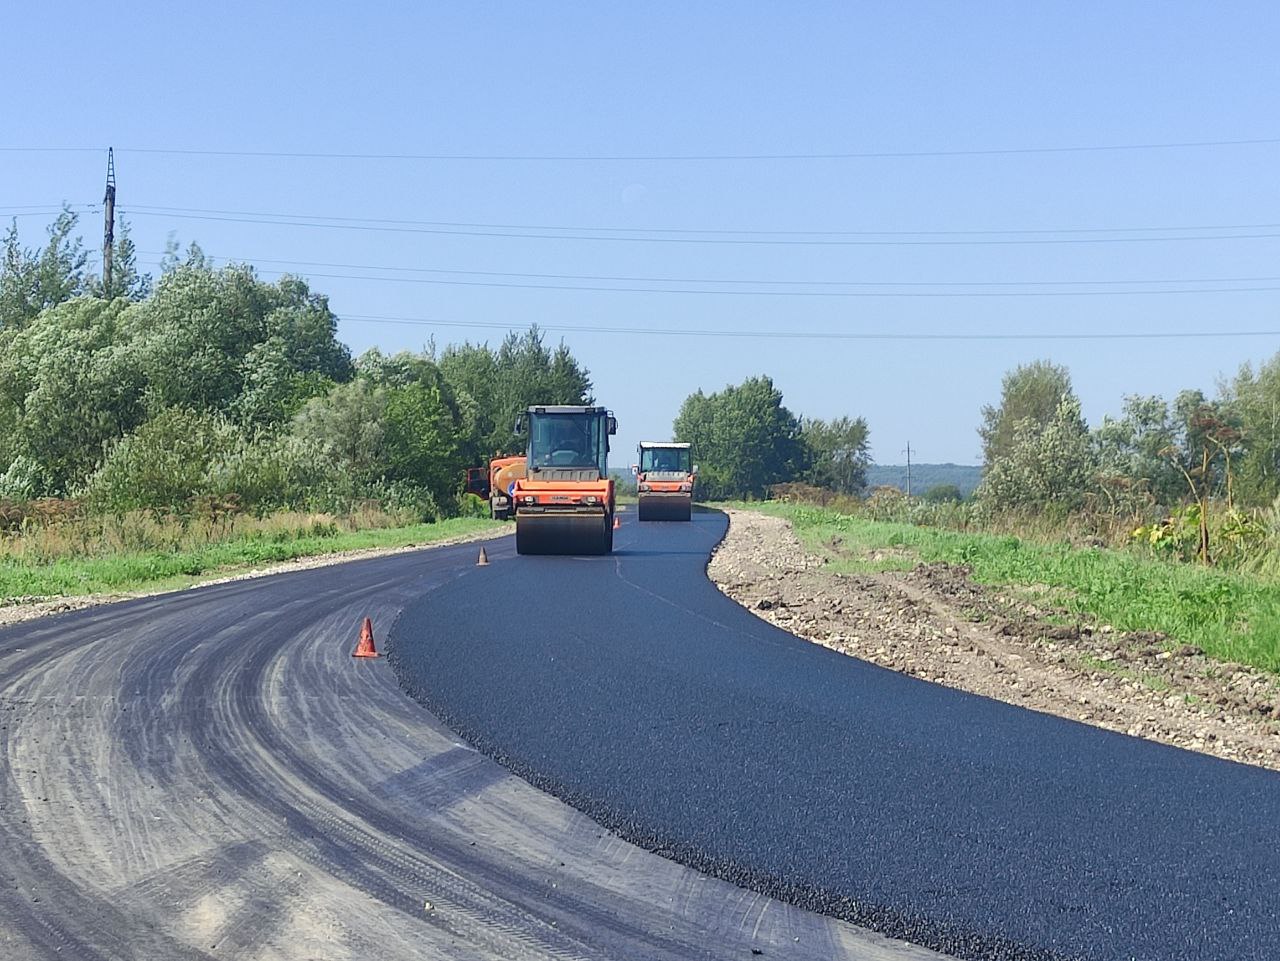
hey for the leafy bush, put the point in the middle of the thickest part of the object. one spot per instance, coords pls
(1044, 465)
(273, 472)
(163, 464)
(943, 493)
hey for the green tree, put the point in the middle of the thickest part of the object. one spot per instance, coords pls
(164, 463)
(1046, 465)
(1133, 458)
(1254, 398)
(492, 387)
(743, 438)
(422, 441)
(425, 442)
(840, 452)
(271, 471)
(1030, 397)
(127, 280)
(943, 494)
(204, 337)
(67, 391)
(349, 425)
(34, 280)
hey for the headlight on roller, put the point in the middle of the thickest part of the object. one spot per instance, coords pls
(686, 488)
(644, 488)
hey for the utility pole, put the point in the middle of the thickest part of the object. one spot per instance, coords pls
(109, 226)
(908, 453)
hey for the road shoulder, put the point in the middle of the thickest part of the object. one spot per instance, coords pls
(935, 623)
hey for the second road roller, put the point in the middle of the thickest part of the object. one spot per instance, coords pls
(664, 481)
(565, 502)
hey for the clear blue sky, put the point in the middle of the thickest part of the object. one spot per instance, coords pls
(680, 78)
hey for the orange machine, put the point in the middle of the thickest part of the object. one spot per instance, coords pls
(565, 502)
(503, 473)
(664, 481)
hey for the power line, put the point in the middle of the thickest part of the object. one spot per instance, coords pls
(779, 293)
(691, 240)
(701, 230)
(813, 335)
(33, 210)
(634, 158)
(735, 281)
(789, 293)
(57, 206)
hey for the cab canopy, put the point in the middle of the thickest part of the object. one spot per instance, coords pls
(568, 438)
(665, 457)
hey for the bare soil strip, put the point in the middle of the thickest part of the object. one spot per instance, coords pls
(935, 623)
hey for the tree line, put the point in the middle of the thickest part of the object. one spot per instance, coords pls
(1179, 466)
(1039, 452)
(746, 441)
(211, 385)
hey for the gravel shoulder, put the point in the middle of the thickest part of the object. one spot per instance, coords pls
(935, 623)
(28, 608)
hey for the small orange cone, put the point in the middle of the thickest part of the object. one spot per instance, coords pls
(483, 559)
(617, 522)
(365, 648)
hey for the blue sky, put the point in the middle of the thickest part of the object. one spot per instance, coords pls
(702, 79)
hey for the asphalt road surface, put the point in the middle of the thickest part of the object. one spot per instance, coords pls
(211, 775)
(630, 687)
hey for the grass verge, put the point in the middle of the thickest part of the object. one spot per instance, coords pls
(160, 569)
(1232, 616)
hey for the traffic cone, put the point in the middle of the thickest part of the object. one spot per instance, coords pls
(365, 648)
(617, 522)
(483, 559)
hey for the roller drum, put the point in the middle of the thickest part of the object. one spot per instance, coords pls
(664, 508)
(563, 534)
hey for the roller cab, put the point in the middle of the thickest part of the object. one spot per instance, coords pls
(564, 503)
(664, 481)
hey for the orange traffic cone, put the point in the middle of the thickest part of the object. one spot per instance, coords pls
(617, 522)
(483, 559)
(365, 648)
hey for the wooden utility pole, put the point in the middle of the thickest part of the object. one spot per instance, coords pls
(109, 225)
(908, 469)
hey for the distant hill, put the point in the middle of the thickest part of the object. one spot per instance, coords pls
(924, 476)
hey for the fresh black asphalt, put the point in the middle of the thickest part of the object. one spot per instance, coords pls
(630, 687)
(209, 775)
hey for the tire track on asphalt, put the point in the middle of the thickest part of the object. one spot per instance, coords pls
(225, 781)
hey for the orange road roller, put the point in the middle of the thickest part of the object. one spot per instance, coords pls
(565, 502)
(664, 481)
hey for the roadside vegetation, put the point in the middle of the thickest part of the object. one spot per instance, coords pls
(745, 442)
(1164, 519)
(145, 552)
(170, 425)
(1231, 615)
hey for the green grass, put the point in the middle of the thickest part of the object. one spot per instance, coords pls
(1232, 616)
(161, 570)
